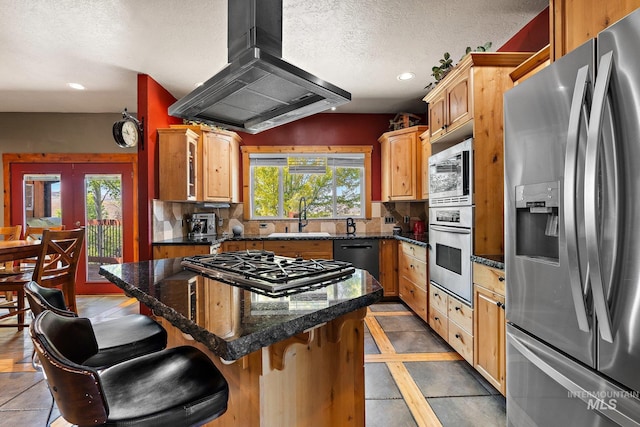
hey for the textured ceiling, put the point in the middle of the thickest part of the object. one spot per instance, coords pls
(358, 45)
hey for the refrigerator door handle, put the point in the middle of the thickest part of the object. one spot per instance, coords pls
(622, 414)
(591, 197)
(578, 112)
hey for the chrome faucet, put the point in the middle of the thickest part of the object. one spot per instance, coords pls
(302, 214)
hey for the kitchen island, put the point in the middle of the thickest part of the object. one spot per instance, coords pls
(290, 361)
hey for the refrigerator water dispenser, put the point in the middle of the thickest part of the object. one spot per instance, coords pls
(537, 220)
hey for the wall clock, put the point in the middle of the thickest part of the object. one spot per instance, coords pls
(127, 132)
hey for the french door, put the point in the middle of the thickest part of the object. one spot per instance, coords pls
(96, 196)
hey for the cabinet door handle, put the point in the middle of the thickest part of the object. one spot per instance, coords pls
(457, 308)
(498, 303)
(436, 318)
(500, 278)
(458, 336)
(436, 294)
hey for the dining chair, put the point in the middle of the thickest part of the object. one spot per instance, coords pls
(118, 339)
(6, 234)
(56, 266)
(35, 233)
(179, 386)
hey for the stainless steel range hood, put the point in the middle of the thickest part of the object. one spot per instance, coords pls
(257, 90)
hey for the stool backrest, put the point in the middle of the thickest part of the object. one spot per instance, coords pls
(41, 299)
(62, 343)
(35, 233)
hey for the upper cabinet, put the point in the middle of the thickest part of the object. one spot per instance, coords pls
(450, 106)
(574, 22)
(401, 168)
(178, 164)
(469, 102)
(216, 168)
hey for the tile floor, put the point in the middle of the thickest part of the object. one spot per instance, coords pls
(412, 377)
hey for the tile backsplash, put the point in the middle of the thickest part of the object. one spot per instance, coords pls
(168, 219)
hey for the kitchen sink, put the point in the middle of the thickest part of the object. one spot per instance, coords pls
(301, 235)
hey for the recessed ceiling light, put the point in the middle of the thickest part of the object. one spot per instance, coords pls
(406, 76)
(198, 84)
(333, 108)
(76, 86)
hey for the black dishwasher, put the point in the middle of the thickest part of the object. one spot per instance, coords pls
(362, 253)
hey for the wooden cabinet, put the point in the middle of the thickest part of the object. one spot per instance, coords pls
(412, 281)
(307, 249)
(425, 142)
(388, 263)
(450, 106)
(531, 66)
(178, 163)
(180, 251)
(452, 320)
(218, 166)
(473, 95)
(401, 165)
(490, 325)
(573, 22)
(241, 245)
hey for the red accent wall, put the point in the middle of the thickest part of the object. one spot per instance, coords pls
(330, 129)
(532, 37)
(153, 102)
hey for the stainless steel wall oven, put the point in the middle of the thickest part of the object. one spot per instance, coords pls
(451, 241)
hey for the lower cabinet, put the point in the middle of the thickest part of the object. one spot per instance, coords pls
(307, 249)
(489, 300)
(241, 245)
(180, 251)
(452, 320)
(412, 277)
(389, 267)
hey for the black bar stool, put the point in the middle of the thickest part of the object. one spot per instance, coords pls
(118, 339)
(174, 387)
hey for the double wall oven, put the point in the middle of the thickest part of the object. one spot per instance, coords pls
(451, 219)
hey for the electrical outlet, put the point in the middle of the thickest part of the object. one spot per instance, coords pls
(407, 218)
(389, 220)
(263, 225)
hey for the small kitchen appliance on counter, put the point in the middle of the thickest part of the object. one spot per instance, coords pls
(200, 225)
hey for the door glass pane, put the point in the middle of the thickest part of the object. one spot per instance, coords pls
(42, 207)
(103, 221)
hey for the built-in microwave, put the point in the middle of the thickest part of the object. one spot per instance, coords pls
(451, 176)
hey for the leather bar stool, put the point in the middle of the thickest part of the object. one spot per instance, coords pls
(118, 339)
(174, 387)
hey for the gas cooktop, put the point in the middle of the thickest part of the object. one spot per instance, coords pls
(269, 274)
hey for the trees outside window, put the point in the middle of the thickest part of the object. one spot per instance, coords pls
(332, 185)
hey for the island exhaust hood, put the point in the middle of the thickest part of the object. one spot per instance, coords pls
(257, 90)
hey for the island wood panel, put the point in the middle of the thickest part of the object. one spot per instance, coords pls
(315, 378)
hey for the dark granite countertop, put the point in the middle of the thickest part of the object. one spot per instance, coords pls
(495, 261)
(231, 321)
(421, 240)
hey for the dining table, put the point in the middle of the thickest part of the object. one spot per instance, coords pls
(12, 250)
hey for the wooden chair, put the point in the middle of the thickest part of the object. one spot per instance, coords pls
(56, 266)
(6, 234)
(179, 386)
(35, 233)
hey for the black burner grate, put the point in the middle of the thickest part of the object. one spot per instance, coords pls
(264, 270)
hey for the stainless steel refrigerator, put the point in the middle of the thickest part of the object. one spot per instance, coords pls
(572, 237)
